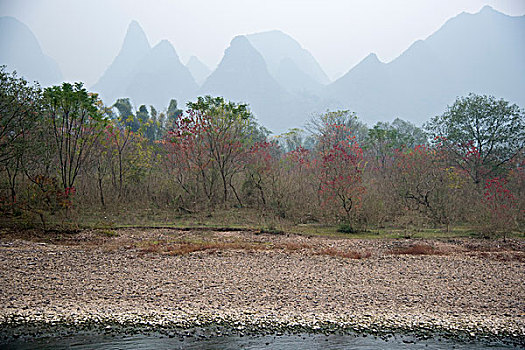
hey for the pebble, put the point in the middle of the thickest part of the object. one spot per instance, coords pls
(271, 291)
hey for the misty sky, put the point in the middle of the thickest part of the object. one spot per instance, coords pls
(84, 36)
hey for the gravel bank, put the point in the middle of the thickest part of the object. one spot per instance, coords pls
(469, 287)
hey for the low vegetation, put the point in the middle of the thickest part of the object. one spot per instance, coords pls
(69, 162)
(417, 249)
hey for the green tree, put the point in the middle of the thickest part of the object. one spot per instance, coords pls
(154, 127)
(294, 139)
(385, 139)
(126, 116)
(20, 107)
(124, 107)
(76, 124)
(481, 133)
(408, 134)
(426, 184)
(349, 125)
(142, 115)
(228, 130)
(172, 115)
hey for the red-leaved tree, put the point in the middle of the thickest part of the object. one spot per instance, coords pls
(340, 166)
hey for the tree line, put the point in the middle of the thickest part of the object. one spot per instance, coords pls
(62, 150)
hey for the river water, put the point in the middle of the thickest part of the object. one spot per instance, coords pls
(284, 342)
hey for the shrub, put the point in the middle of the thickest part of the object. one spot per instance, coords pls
(343, 254)
(416, 249)
(346, 228)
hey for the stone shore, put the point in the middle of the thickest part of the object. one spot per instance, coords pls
(287, 283)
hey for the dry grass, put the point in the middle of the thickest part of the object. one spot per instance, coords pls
(503, 256)
(296, 246)
(329, 251)
(182, 242)
(183, 248)
(417, 249)
(348, 254)
(186, 248)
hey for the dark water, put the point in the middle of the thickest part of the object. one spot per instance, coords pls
(285, 342)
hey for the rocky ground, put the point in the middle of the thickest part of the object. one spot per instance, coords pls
(247, 278)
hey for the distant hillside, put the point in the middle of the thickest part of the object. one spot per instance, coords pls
(291, 65)
(198, 70)
(284, 85)
(146, 75)
(242, 76)
(159, 77)
(112, 84)
(20, 51)
(481, 53)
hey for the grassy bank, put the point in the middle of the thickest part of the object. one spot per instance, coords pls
(238, 219)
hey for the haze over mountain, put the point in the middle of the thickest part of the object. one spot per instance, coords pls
(198, 70)
(283, 83)
(146, 75)
(242, 76)
(20, 51)
(481, 53)
(159, 77)
(112, 84)
(291, 65)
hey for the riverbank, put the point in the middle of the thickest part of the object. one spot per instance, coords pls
(253, 282)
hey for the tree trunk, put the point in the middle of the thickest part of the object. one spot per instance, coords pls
(101, 191)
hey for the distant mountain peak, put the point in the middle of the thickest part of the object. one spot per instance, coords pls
(199, 70)
(135, 38)
(164, 47)
(164, 42)
(242, 75)
(240, 40)
(242, 52)
(159, 77)
(134, 25)
(276, 34)
(370, 61)
(193, 59)
(488, 9)
(21, 51)
(276, 31)
(276, 45)
(472, 52)
(135, 47)
(372, 57)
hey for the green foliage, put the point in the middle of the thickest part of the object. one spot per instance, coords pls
(64, 142)
(227, 116)
(482, 134)
(20, 107)
(398, 135)
(126, 118)
(76, 124)
(172, 114)
(295, 138)
(108, 233)
(142, 115)
(214, 137)
(351, 125)
(124, 107)
(384, 140)
(345, 228)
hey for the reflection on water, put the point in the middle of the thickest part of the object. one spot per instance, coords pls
(306, 342)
